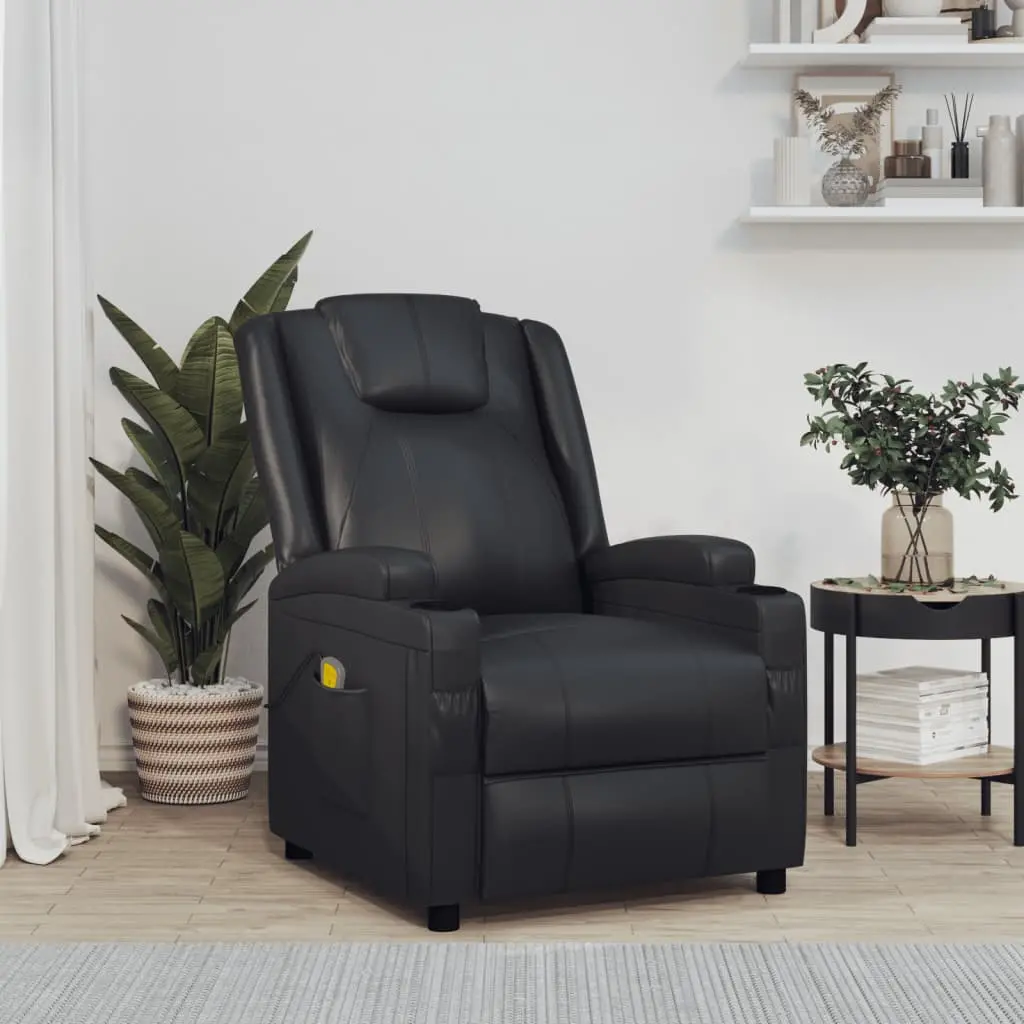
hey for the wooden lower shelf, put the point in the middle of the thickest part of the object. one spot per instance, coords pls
(998, 761)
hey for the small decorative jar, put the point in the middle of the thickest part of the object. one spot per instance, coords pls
(908, 160)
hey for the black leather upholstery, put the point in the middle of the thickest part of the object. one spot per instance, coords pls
(527, 710)
(705, 561)
(432, 359)
(568, 692)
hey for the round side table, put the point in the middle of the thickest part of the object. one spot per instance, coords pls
(982, 613)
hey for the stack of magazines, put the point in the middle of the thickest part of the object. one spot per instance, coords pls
(930, 195)
(931, 32)
(921, 715)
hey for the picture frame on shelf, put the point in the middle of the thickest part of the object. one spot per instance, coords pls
(845, 93)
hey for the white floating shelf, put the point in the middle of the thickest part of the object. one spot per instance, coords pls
(879, 215)
(879, 55)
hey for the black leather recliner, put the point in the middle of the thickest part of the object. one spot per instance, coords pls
(526, 710)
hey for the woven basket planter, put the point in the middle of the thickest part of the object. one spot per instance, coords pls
(194, 745)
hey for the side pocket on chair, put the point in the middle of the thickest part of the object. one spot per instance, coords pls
(337, 728)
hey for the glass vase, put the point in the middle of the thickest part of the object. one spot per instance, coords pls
(917, 540)
(845, 184)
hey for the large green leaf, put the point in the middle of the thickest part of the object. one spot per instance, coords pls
(205, 664)
(209, 385)
(265, 295)
(163, 627)
(218, 477)
(159, 519)
(173, 424)
(133, 555)
(157, 456)
(245, 579)
(284, 296)
(163, 649)
(156, 360)
(193, 577)
(249, 519)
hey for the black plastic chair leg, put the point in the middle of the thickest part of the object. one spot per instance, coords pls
(771, 883)
(443, 918)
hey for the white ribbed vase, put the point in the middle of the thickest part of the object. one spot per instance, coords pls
(194, 745)
(793, 171)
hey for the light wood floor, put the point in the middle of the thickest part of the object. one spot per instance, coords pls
(929, 868)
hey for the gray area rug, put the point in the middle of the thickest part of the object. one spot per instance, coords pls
(491, 983)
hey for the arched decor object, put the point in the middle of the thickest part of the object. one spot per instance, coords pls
(845, 25)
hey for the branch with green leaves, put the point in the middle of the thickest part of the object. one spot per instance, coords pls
(198, 499)
(899, 439)
(837, 137)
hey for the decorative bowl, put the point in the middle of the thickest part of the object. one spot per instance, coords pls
(912, 8)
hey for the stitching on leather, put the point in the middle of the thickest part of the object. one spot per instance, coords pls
(420, 344)
(430, 750)
(405, 788)
(560, 678)
(355, 483)
(337, 334)
(545, 471)
(712, 822)
(605, 603)
(570, 846)
(533, 630)
(334, 329)
(410, 469)
(348, 629)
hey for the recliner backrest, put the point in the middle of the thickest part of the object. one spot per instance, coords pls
(417, 421)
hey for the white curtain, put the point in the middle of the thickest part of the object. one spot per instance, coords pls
(50, 789)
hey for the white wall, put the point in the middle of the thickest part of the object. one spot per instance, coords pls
(578, 161)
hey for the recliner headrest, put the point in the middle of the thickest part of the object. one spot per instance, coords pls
(411, 353)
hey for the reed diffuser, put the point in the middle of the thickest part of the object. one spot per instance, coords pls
(960, 118)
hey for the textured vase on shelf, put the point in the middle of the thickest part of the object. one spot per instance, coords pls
(917, 540)
(845, 184)
(999, 163)
(793, 171)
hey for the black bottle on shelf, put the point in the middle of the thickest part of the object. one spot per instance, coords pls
(960, 160)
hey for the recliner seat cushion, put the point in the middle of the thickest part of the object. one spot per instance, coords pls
(565, 692)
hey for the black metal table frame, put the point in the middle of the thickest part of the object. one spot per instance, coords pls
(832, 608)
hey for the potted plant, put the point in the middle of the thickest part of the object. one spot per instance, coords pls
(846, 137)
(200, 502)
(916, 447)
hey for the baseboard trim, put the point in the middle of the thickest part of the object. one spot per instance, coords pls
(119, 757)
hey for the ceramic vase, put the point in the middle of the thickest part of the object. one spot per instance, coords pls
(845, 184)
(1017, 6)
(793, 171)
(999, 163)
(1020, 160)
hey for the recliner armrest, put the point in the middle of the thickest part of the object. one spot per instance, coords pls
(695, 559)
(373, 573)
